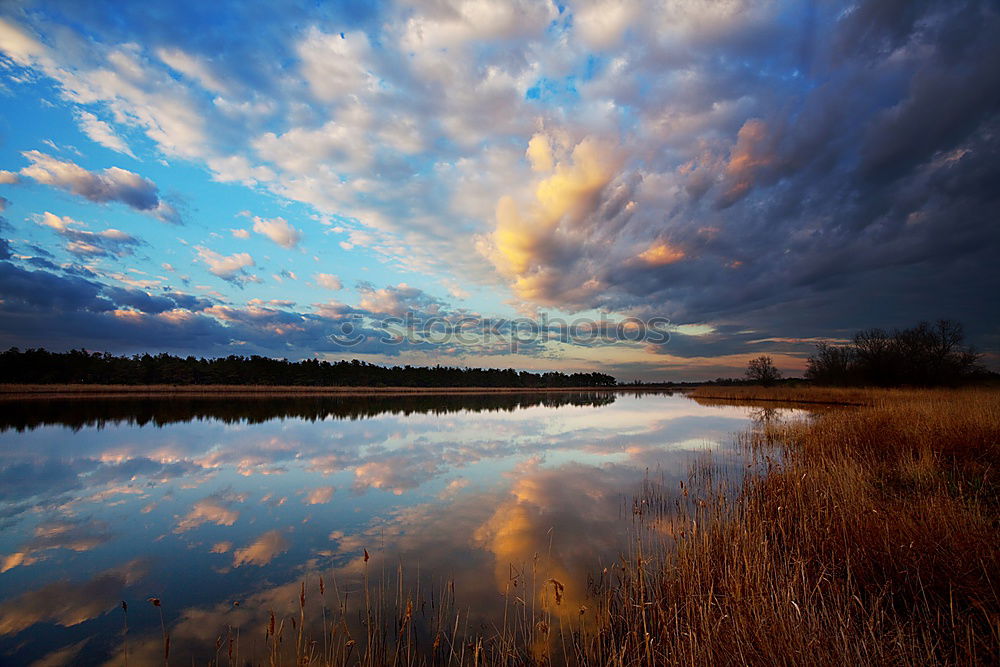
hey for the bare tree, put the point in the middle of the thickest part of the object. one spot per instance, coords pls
(761, 370)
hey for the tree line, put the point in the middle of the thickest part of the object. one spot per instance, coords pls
(40, 366)
(925, 355)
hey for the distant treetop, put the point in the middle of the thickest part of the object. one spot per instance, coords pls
(924, 355)
(39, 366)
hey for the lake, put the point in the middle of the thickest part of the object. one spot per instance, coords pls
(221, 508)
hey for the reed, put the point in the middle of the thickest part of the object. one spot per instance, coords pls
(873, 541)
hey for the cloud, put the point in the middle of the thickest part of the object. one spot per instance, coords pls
(68, 603)
(558, 226)
(660, 253)
(83, 243)
(8, 177)
(637, 157)
(217, 509)
(278, 230)
(107, 185)
(193, 68)
(397, 300)
(101, 133)
(74, 535)
(227, 267)
(262, 551)
(328, 281)
(319, 496)
(62, 656)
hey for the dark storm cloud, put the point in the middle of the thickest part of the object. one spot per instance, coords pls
(68, 311)
(5, 249)
(866, 197)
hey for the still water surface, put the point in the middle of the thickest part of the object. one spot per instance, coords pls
(207, 502)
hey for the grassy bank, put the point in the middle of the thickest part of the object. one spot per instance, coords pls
(875, 541)
(811, 395)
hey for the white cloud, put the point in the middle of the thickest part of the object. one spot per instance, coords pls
(329, 281)
(278, 230)
(101, 133)
(193, 68)
(335, 65)
(227, 267)
(18, 44)
(239, 169)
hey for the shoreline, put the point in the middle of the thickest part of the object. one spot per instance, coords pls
(84, 391)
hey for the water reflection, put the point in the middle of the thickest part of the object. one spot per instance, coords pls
(77, 413)
(240, 500)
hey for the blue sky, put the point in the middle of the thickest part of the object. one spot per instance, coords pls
(247, 177)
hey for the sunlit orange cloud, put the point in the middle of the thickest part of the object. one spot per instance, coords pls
(520, 531)
(660, 254)
(319, 496)
(69, 603)
(17, 559)
(208, 510)
(668, 362)
(751, 153)
(262, 551)
(522, 240)
(133, 315)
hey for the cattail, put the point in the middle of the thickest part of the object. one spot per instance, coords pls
(125, 636)
(155, 601)
(558, 588)
(366, 555)
(302, 595)
(270, 625)
(322, 588)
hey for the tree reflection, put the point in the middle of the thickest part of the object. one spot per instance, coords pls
(77, 413)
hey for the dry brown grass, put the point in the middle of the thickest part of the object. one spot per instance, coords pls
(808, 394)
(875, 541)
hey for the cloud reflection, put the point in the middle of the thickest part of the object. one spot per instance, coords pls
(263, 550)
(70, 603)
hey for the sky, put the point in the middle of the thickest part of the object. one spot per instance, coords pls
(453, 181)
